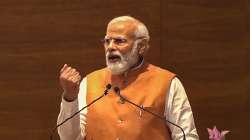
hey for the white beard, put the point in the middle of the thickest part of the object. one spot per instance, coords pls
(127, 61)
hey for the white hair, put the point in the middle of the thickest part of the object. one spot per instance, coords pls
(141, 30)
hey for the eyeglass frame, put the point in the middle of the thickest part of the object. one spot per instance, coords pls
(118, 40)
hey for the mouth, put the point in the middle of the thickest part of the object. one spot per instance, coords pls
(114, 58)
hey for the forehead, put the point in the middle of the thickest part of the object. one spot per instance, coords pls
(124, 29)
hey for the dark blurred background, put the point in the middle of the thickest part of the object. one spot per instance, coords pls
(206, 42)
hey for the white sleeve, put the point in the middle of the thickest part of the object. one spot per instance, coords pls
(74, 129)
(178, 111)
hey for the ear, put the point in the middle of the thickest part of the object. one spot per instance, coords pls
(142, 47)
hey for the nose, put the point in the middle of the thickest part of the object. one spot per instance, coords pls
(111, 46)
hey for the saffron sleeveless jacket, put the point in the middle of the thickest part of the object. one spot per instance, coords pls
(112, 119)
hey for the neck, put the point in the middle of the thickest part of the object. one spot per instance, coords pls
(124, 79)
(137, 65)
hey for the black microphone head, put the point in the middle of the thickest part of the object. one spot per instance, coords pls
(108, 86)
(117, 90)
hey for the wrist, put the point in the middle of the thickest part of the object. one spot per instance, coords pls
(69, 98)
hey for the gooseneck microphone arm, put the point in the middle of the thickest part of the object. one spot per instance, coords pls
(117, 91)
(108, 87)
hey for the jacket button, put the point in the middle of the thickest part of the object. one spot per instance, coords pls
(121, 101)
(120, 120)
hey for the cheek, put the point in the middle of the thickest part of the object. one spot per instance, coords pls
(126, 49)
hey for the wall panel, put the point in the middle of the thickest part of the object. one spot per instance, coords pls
(37, 38)
(206, 42)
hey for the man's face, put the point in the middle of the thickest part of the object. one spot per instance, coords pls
(121, 47)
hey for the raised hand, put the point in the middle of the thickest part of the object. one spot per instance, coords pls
(70, 80)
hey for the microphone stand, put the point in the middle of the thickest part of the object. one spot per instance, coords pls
(108, 87)
(117, 91)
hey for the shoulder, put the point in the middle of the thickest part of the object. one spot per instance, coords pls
(161, 71)
(98, 72)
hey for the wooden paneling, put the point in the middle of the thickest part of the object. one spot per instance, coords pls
(206, 42)
(247, 46)
(37, 38)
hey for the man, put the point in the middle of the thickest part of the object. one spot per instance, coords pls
(158, 90)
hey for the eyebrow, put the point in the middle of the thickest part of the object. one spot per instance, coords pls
(119, 36)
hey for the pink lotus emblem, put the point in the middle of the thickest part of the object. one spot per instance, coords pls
(215, 134)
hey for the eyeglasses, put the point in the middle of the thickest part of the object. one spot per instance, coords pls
(116, 41)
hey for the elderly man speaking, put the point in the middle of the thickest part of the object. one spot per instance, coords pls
(153, 88)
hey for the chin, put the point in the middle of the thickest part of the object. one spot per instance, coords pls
(117, 68)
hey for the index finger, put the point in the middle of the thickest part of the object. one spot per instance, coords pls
(64, 67)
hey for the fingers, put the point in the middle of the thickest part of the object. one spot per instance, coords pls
(70, 74)
(64, 67)
(67, 70)
(76, 79)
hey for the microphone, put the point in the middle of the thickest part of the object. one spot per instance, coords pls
(117, 92)
(108, 87)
